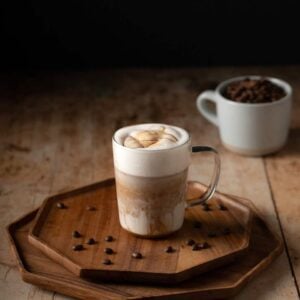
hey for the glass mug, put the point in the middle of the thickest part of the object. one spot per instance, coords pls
(151, 183)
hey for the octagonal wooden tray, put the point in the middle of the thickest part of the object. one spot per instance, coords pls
(226, 230)
(225, 282)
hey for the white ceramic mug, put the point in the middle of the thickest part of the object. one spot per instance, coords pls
(246, 128)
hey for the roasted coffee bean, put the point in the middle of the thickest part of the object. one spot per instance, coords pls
(200, 246)
(91, 241)
(108, 251)
(195, 247)
(169, 249)
(212, 234)
(137, 255)
(106, 261)
(109, 238)
(204, 245)
(90, 208)
(222, 207)
(226, 231)
(76, 234)
(78, 247)
(190, 242)
(206, 207)
(197, 225)
(60, 205)
(253, 91)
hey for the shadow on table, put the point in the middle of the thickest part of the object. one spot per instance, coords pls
(292, 147)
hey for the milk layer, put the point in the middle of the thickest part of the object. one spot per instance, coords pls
(151, 207)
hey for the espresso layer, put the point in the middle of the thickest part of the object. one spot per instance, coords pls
(151, 206)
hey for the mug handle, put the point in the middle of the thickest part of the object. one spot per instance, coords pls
(201, 102)
(215, 178)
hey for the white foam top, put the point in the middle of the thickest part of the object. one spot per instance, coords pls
(151, 150)
(151, 136)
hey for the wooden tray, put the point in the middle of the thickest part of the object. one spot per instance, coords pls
(52, 234)
(38, 269)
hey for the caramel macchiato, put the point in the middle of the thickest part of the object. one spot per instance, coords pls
(151, 185)
(151, 165)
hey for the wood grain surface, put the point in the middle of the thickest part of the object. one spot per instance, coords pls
(55, 135)
(53, 228)
(222, 283)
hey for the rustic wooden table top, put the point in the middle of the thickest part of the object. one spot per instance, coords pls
(55, 135)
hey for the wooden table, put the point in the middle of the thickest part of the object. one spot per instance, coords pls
(55, 135)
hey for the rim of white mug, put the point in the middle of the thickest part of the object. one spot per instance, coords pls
(147, 150)
(279, 82)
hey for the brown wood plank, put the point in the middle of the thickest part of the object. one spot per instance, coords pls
(283, 170)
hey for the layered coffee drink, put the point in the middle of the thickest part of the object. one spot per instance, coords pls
(151, 164)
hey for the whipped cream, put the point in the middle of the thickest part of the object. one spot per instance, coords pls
(156, 138)
(151, 150)
(151, 136)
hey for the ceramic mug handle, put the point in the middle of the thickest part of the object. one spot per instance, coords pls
(201, 102)
(215, 178)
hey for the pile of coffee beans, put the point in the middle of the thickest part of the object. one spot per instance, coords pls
(253, 91)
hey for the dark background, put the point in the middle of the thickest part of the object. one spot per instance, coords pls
(92, 34)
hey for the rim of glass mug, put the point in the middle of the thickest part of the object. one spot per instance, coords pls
(279, 82)
(188, 141)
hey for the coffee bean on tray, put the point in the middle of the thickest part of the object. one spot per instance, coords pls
(212, 234)
(169, 249)
(206, 207)
(190, 242)
(60, 205)
(204, 245)
(200, 246)
(76, 234)
(108, 251)
(137, 255)
(226, 231)
(109, 238)
(77, 247)
(90, 208)
(222, 207)
(91, 241)
(106, 261)
(197, 225)
(195, 247)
